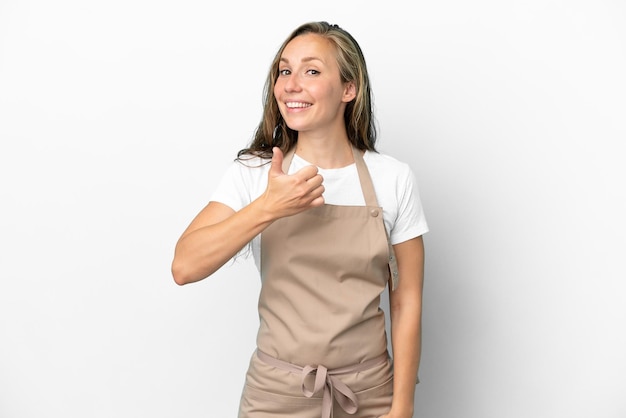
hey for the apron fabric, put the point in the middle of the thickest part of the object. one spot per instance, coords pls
(321, 345)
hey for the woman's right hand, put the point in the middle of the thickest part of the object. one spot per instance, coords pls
(288, 195)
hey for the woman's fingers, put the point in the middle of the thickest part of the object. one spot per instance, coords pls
(294, 193)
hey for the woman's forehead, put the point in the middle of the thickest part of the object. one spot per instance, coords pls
(309, 47)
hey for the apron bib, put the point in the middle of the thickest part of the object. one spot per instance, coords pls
(321, 345)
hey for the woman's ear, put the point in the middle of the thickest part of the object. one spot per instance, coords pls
(349, 92)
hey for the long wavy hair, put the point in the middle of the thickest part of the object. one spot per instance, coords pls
(359, 119)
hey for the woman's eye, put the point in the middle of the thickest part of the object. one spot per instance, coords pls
(313, 72)
(284, 72)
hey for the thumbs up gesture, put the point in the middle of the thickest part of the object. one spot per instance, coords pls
(288, 195)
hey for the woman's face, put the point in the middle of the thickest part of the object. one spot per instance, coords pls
(309, 91)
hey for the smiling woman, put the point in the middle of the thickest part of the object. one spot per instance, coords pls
(331, 222)
(309, 90)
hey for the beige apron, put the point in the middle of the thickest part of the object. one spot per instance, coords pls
(322, 348)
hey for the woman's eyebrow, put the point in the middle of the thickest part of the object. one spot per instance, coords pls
(305, 59)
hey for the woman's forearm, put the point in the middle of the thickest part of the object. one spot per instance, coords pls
(406, 317)
(406, 343)
(204, 248)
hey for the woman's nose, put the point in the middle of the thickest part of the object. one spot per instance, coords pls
(293, 83)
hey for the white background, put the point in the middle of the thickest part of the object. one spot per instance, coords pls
(117, 119)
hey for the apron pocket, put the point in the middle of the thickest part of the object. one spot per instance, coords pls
(257, 403)
(373, 402)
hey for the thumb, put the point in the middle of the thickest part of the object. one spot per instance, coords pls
(277, 162)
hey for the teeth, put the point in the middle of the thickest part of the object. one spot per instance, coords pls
(297, 104)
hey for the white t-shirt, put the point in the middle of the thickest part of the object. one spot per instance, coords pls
(394, 183)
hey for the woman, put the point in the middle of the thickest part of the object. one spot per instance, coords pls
(308, 195)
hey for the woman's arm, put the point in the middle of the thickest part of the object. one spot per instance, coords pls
(218, 232)
(215, 235)
(406, 315)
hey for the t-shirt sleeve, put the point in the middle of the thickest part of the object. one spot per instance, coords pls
(233, 189)
(410, 220)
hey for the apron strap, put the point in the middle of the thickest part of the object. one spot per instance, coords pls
(370, 200)
(364, 177)
(287, 159)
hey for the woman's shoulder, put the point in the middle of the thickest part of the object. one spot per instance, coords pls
(386, 164)
(247, 172)
(244, 180)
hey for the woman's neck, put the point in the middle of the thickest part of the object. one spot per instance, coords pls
(325, 152)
